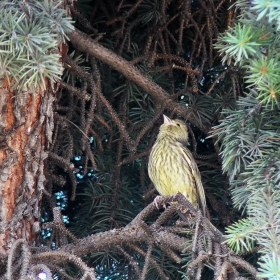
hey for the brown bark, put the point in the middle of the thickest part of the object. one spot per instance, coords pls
(26, 121)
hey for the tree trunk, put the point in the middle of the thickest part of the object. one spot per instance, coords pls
(26, 123)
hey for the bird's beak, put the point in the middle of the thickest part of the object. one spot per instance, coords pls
(166, 119)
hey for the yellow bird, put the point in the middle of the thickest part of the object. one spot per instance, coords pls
(172, 167)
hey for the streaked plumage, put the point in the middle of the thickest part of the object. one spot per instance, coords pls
(172, 167)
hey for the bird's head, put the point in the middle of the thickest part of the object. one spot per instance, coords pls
(176, 129)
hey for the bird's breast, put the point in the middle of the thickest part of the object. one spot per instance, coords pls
(169, 171)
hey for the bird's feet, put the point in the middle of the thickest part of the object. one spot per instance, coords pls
(158, 201)
(173, 197)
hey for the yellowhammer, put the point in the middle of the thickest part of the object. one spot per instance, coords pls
(172, 167)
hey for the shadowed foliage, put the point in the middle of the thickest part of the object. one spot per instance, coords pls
(126, 64)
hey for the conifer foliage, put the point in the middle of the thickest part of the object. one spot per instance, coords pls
(250, 133)
(125, 64)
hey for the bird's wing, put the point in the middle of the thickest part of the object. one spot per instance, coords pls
(188, 158)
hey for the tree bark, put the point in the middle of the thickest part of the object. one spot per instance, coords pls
(26, 124)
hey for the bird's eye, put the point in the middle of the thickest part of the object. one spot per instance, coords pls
(178, 124)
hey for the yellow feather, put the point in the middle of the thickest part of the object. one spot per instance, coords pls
(172, 167)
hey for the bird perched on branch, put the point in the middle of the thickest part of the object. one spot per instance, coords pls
(172, 167)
